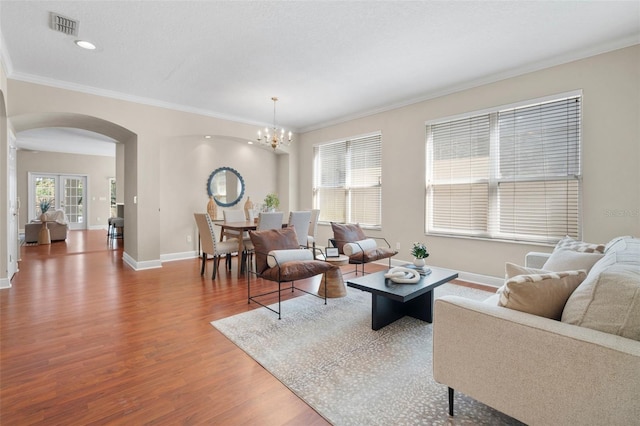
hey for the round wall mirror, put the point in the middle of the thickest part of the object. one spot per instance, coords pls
(226, 186)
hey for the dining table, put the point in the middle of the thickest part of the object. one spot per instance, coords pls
(241, 227)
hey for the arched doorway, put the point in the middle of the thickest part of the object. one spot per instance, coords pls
(127, 148)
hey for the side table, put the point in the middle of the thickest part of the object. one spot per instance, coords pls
(333, 278)
(44, 236)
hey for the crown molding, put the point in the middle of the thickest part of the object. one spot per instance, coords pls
(59, 84)
(532, 67)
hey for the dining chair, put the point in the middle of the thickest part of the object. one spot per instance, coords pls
(269, 220)
(300, 223)
(313, 228)
(211, 247)
(237, 216)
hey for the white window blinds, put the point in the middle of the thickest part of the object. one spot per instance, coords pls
(347, 181)
(509, 174)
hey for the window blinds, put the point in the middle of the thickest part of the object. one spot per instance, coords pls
(539, 169)
(347, 182)
(509, 174)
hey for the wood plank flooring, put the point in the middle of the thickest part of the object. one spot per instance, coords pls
(87, 340)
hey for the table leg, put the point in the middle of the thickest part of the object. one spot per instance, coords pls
(384, 311)
(240, 250)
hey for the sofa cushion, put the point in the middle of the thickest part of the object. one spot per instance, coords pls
(571, 243)
(609, 298)
(511, 270)
(346, 233)
(358, 246)
(570, 260)
(540, 294)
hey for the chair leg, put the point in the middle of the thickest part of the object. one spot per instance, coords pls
(204, 261)
(451, 402)
(216, 262)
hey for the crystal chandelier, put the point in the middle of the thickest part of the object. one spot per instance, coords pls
(274, 137)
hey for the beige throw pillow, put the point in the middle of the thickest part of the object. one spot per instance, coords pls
(570, 260)
(511, 270)
(540, 294)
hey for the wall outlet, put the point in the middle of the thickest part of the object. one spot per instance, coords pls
(397, 246)
(188, 238)
(98, 219)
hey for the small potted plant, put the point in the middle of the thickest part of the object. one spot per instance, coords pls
(44, 205)
(420, 253)
(271, 201)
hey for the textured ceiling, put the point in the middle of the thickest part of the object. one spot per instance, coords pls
(326, 61)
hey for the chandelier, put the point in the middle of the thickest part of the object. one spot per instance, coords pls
(274, 137)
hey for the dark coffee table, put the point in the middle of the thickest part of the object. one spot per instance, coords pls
(391, 301)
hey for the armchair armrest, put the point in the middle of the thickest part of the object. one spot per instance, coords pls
(535, 259)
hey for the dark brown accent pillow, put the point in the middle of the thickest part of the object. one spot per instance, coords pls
(346, 233)
(271, 239)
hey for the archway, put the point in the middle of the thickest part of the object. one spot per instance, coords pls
(125, 139)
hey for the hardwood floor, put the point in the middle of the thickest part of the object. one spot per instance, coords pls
(87, 340)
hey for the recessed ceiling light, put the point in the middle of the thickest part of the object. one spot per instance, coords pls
(85, 44)
(207, 136)
(250, 142)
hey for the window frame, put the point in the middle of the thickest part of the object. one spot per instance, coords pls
(493, 232)
(349, 185)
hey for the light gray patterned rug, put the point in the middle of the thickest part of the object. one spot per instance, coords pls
(350, 374)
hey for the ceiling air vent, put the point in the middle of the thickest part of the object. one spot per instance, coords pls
(63, 24)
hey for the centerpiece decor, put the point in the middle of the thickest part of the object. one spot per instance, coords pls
(271, 201)
(420, 253)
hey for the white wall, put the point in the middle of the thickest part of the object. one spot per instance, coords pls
(611, 157)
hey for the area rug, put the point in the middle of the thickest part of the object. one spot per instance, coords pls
(330, 357)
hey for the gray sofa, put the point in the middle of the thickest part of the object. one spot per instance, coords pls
(56, 223)
(582, 369)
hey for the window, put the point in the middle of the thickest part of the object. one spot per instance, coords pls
(510, 174)
(347, 184)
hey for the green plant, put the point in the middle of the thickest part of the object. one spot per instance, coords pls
(419, 251)
(44, 204)
(272, 201)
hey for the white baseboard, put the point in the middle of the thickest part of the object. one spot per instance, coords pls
(178, 256)
(139, 266)
(5, 283)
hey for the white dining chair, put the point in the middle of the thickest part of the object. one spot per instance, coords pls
(300, 223)
(313, 228)
(269, 220)
(211, 247)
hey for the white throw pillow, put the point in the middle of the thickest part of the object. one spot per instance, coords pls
(363, 245)
(278, 257)
(570, 260)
